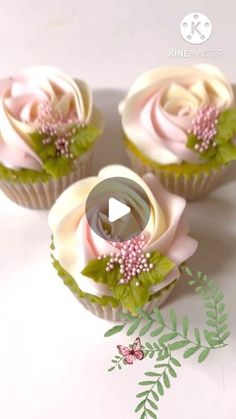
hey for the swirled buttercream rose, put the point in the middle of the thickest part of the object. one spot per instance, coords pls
(164, 244)
(159, 110)
(44, 100)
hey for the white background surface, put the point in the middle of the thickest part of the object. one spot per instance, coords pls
(53, 357)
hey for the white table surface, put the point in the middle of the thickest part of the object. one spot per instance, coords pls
(53, 357)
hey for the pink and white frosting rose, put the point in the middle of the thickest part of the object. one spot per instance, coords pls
(21, 98)
(76, 244)
(160, 106)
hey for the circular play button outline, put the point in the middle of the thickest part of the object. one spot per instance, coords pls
(118, 209)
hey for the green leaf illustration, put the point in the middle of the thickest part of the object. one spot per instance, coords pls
(185, 326)
(178, 345)
(114, 330)
(203, 355)
(173, 319)
(166, 380)
(133, 327)
(191, 351)
(173, 335)
(146, 328)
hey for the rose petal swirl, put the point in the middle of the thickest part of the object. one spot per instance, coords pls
(161, 104)
(20, 97)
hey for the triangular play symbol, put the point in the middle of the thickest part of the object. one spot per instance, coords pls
(116, 210)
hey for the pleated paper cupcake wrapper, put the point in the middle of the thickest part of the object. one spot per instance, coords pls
(42, 195)
(113, 313)
(191, 186)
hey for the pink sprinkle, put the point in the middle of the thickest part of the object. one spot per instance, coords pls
(51, 123)
(130, 258)
(204, 127)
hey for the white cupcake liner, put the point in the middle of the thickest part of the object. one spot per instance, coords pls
(42, 195)
(190, 187)
(113, 314)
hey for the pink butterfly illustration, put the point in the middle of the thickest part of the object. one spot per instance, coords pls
(130, 354)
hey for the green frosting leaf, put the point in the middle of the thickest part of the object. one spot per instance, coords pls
(54, 166)
(225, 151)
(104, 300)
(23, 175)
(96, 270)
(162, 266)
(58, 165)
(130, 295)
(207, 155)
(226, 128)
(83, 139)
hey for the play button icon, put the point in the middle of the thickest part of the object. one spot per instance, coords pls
(118, 209)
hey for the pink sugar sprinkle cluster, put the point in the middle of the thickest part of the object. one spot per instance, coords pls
(204, 127)
(131, 259)
(55, 128)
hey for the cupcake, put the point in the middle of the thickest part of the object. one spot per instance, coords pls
(48, 126)
(113, 277)
(180, 124)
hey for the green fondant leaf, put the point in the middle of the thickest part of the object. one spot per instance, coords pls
(23, 175)
(227, 153)
(58, 167)
(192, 141)
(96, 270)
(43, 150)
(226, 132)
(82, 140)
(132, 296)
(226, 128)
(207, 155)
(162, 266)
(53, 166)
(70, 282)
